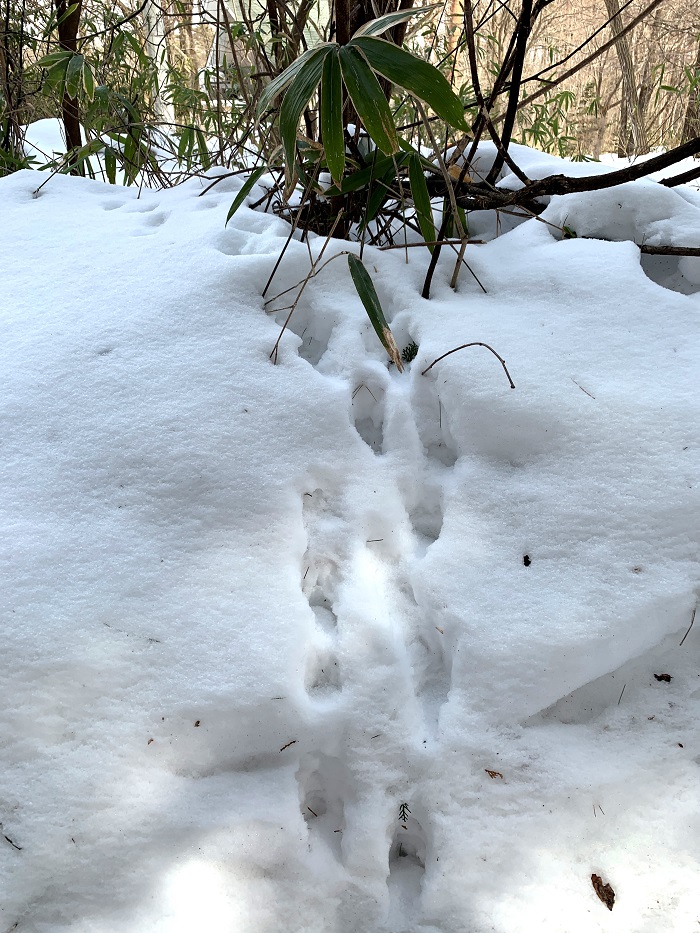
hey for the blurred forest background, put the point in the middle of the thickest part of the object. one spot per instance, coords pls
(183, 78)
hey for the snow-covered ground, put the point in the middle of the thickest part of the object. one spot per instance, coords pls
(319, 646)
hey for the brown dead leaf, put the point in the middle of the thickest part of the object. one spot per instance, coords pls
(454, 171)
(666, 678)
(493, 774)
(604, 891)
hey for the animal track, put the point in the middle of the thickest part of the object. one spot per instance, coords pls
(432, 677)
(368, 414)
(322, 671)
(157, 220)
(323, 784)
(322, 607)
(407, 857)
(319, 583)
(142, 207)
(433, 426)
(429, 658)
(427, 515)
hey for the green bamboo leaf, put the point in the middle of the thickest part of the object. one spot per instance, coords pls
(204, 154)
(74, 75)
(376, 27)
(110, 165)
(56, 76)
(69, 12)
(421, 199)
(245, 191)
(285, 79)
(362, 178)
(380, 193)
(184, 147)
(368, 99)
(332, 116)
(88, 82)
(417, 77)
(48, 60)
(370, 300)
(296, 99)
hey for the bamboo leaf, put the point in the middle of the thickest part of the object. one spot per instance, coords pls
(417, 77)
(69, 12)
(48, 60)
(370, 300)
(361, 178)
(285, 79)
(332, 116)
(204, 154)
(377, 26)
(421, 199)
(88, 82)
(74, 75)
(110, 165)
(56, 76)
(368, 99)
(184, 147)
(296, 99)
(245, 191)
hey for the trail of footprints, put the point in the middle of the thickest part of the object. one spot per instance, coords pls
(328, 782)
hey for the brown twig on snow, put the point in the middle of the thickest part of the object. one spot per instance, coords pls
(475, 343)
(692, 620)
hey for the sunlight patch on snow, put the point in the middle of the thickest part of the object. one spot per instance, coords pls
(200, 897)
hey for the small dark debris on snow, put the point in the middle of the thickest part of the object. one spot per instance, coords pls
(13, 844)
(197, 723)
(409, 352)
(493, 774)
(526, 560)
(293, 742)
(604, 891)
(666, 678)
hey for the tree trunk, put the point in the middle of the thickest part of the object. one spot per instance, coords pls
(157, 50)
(629, 87)
(68, 40)
(691, 124)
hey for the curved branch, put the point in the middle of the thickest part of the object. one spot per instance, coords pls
(475, 343)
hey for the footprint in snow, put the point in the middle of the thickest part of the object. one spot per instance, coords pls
(407, 857)
(323, 785)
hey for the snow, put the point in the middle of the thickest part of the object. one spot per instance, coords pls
(251, 610)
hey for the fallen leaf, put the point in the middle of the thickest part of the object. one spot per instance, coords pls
(493, 774)
(455, 171)
(665, 677)
(604, 891)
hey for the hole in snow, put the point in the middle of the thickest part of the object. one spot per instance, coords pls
(323, 609)
(322, 672)
(679, 274)
(323, 786)
(368, 414)
(406, 871)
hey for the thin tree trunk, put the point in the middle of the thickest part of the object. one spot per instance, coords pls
(157, 50)
(691, 124)
(629, 87)
(68, 40)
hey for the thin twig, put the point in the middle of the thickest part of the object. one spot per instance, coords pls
(475, 343)
(275, 350)
(692, 620)
(307, 192)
